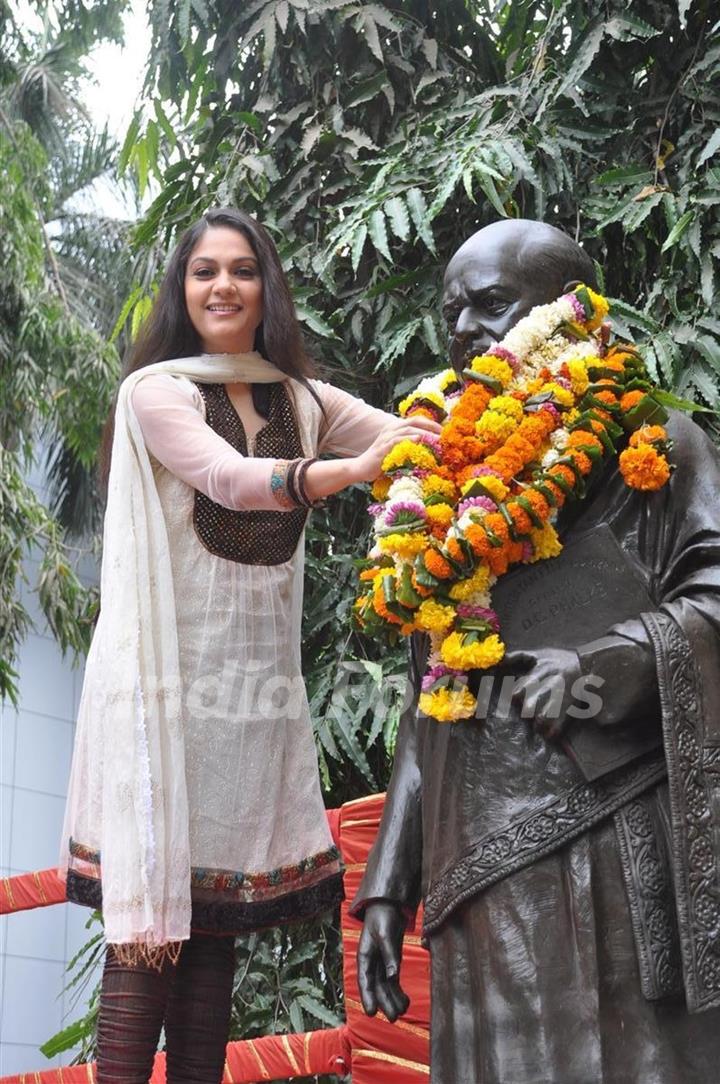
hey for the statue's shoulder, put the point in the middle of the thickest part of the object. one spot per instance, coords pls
(690, 443)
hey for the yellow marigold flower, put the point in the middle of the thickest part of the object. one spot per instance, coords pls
(434, 617)
(439, 514)
(601, 309)
(578, 375)
(380, 488)
(479, 655)
(489, 365)
(408, 454)
(435, 397)
(559, 393)
(447, 705)
(545, 543)
(506, 404)
(406, 546)
(572, 416)
(494, 485)
(498, 426)
(533, 386)
(477, 584)
(446, 379)
(434, 484)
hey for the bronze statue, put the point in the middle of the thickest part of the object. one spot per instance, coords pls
(571, 906)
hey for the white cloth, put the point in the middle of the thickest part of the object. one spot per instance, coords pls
(194, 744)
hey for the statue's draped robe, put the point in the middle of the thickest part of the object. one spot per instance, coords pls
(574, 927)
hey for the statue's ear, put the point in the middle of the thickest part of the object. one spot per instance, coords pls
(570, 286)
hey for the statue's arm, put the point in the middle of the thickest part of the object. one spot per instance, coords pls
(393, 869)
(390, 889)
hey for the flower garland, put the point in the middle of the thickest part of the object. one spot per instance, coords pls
(519, 438)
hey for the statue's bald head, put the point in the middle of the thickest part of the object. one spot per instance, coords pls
(502, 272)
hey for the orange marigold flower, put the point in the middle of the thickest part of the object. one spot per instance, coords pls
(478, 539)
(643, 468)
(582, 461)
(515, 552)
(581, 438)
(436, 565)
(556, 492)
(426, 592)
(538, 503)
(381, 609)
(559, 470)
(454, 550)
(614, 363)
(614, 354)
(648, 434)
(498, 525)
(606, 396)
(369, 573)
(499, 560)
(521, 519)
(631, 399)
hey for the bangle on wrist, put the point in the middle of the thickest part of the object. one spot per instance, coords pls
(299, 484)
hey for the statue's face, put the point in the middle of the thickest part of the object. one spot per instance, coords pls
(486, 292)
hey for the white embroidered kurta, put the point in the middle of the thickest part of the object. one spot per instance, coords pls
(260, 846)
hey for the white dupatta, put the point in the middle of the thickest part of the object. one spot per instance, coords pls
(130, 709)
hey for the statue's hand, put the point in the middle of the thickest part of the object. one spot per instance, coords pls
(378, 960)
(544, 687)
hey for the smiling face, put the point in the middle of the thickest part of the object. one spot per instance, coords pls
(224, 291)
(487, 290)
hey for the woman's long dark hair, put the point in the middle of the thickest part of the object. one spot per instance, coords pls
(168, 332)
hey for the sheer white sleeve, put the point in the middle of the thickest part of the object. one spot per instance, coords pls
(350, 425)
(169, 410)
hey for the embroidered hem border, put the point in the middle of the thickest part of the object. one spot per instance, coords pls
(232, 916)
(243, 887)
(693, 772)
(648, 882)
(545, 830)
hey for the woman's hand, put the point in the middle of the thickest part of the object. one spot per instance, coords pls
(330, 476)
(368, 464)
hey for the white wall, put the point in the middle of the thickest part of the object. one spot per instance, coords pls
(35, 946)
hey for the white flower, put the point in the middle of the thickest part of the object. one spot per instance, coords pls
(405, 488)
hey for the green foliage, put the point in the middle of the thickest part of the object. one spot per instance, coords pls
(83, 970)
(57, 374)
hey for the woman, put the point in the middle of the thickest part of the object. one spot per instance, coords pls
(194, 800)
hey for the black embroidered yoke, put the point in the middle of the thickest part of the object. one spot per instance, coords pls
(251, 538)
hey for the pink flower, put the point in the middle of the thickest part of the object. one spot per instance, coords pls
(505, 355)
(404, 512)
(551, 408)
(437, 673)
(578, 307)
(481, 612)
(485, 503)
(430, 440)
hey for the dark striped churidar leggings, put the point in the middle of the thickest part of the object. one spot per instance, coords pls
(191, 999)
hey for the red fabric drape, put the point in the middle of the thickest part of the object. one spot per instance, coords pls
(28, 890)
(271, 1058)
(378, 1051)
